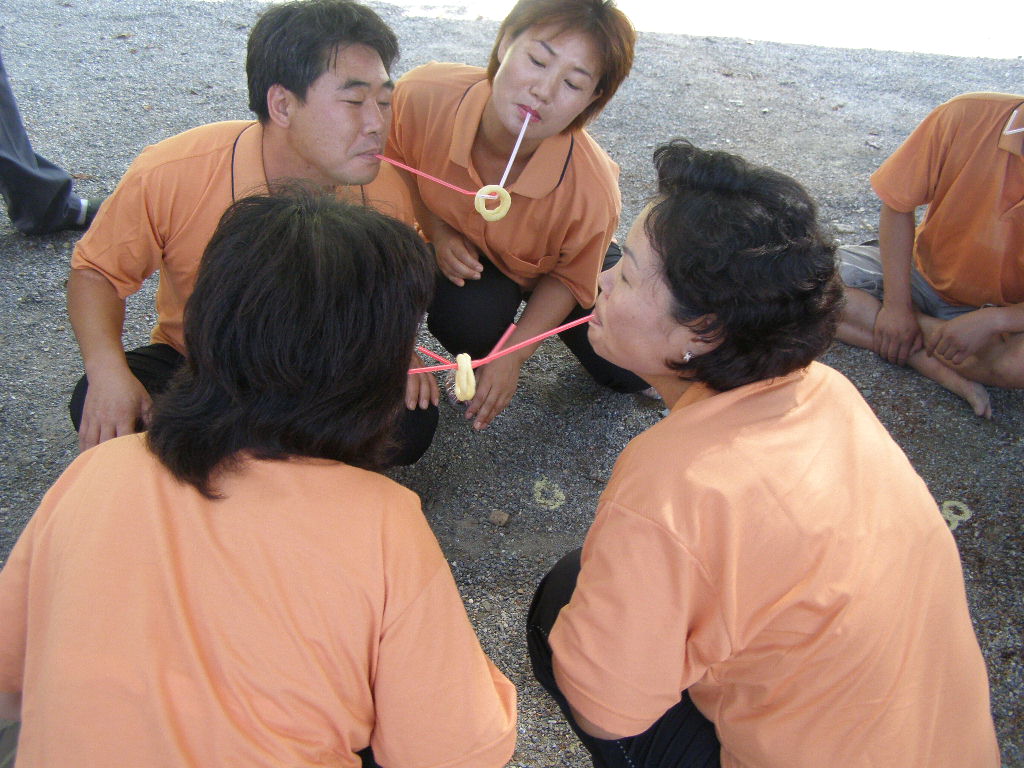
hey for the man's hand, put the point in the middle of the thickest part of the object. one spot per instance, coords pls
(897, 334)
(115, 404)
(456, 257)
(496, 383)
(421, 390)
(957, 339)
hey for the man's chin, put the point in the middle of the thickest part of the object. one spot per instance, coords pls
(358, 179)
(359, 173)
(594, 337)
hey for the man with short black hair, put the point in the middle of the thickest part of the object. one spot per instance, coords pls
(319, 82)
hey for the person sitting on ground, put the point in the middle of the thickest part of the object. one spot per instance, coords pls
(39, 195)
(948, 299)
(766, 576)
(236, 587)
(320, 88)
(560, 62)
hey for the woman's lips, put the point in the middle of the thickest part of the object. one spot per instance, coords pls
(525, 110)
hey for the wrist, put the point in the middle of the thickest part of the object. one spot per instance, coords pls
(107, 366)
(516, 358)
(896, 305)
(1004, 319)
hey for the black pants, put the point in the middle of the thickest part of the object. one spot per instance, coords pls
(155, 364)
(472, 318)
(681, 738)
(38, 193)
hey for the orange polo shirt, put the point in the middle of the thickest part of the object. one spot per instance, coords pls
(565, 203)
(771, 550)
(307, 614)
(961, 164)
(169, 202)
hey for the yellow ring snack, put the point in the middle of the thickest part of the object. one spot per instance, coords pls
(465, 380)
(504, 202)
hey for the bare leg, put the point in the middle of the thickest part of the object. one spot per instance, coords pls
(856, 328)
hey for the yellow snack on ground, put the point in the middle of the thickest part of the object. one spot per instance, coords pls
(465, 379)
(504, 202)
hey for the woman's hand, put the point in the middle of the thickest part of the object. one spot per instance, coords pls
(455, 255)
(421, 390)
(496, 383)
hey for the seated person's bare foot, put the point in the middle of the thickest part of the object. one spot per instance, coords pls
(971, 391)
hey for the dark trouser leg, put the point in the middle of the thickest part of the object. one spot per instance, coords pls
(603, 372)
(37, 192)
(366, 755)
(472, 318)
(153, 365)
(416, 429)
(681, 738)
(9, 731)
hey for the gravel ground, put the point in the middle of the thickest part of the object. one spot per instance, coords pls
(99, 80)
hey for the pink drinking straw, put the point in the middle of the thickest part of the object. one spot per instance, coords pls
(425, 175)
(502, 340)
(515, 151)
(443, 183)
(494, 355)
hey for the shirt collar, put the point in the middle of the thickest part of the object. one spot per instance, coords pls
(544, 170)
(1013, 142)
(247, 174)
(694, 394)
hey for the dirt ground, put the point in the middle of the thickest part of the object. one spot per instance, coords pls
(99, 80)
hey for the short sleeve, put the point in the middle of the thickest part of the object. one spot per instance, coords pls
(123, 243)
(642, 625)
(439, 700)
(909, 177)
(596, 204)
(15, 578)
(14, 610)
(578, 270)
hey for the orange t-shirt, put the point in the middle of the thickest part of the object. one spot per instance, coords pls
(167, 206)
(565, 203)
(771, 550)
(959, 162)
(307, 614)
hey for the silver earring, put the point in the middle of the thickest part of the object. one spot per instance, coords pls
(688, 357)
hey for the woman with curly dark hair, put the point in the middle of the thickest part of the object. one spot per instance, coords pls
(767, 582)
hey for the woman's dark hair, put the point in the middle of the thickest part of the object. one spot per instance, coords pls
(747, 264)
(299, 333)
(292, 44)
(611, 31)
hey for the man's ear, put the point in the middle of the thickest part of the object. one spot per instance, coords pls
(281, 104)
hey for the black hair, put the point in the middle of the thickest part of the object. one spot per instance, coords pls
(293, 43)
(299, 333)
(747, 262)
